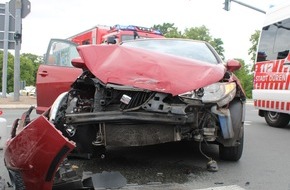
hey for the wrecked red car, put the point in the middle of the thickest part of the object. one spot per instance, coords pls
(138, 93)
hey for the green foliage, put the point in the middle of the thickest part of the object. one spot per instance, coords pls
(29, 62)
(253, 49)
(198, 33)
(28, 68)
(246, 78)
(10, 71)
(217, 43)
(168, 30)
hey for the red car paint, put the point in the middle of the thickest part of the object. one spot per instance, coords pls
(148, 69)
(36, 152)
(48, 76)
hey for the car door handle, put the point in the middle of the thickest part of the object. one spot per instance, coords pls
(43, 73)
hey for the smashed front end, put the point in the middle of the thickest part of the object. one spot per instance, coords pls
(117, 115)
(133, 97)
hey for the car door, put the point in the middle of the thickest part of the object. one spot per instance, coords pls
(56, 74)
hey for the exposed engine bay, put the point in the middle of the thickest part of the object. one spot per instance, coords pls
(97, 115)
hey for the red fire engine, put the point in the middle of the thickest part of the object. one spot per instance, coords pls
(116, 34)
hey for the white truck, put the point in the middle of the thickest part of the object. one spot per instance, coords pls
(271, 93)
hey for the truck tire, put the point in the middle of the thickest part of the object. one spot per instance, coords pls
(275, 119)
(234, 153)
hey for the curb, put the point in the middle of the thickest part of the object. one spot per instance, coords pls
(16, 106)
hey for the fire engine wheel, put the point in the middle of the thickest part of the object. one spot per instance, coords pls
(275, 119)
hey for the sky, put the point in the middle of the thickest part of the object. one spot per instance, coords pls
(64, 18)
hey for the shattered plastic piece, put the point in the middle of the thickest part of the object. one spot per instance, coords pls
(106, 180)
(212, 166)
(74, 167)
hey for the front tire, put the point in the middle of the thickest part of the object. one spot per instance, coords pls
(232, 149)
(233, 153)
(275, 119)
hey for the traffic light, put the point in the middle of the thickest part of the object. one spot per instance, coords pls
(227, 6)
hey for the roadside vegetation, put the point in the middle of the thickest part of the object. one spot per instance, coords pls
(29, 62)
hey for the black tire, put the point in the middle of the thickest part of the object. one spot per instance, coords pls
(275, 119)
(233, 151)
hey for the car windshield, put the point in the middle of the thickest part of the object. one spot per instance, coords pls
(184, 48)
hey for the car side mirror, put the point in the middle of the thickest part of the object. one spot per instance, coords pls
(233, 65)
(78, 63)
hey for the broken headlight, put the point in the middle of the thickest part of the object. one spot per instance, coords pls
(219, 93)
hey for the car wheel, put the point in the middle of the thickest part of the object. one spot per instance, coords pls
(275, 119)
(234, 152)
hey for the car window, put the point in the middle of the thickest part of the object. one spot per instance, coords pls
(184, 48)
(61, 53)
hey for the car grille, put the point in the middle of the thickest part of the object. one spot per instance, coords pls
(137, 99)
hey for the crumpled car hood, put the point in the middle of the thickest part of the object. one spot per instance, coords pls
(147, 69)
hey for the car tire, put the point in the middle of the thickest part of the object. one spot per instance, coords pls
(275, 119)
(234, 153)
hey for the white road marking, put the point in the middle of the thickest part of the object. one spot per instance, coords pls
(231, 187)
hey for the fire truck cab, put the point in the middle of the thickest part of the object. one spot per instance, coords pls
(271, 77)
(113, 35)
(120, 33)
(91, 36)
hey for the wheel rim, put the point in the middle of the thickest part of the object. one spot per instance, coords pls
(273, 116)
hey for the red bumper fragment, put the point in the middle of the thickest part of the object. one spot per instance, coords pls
(33, 156)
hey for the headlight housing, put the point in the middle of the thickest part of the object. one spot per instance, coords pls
(220, 93)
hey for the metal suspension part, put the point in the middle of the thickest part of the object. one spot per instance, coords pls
(100, 140)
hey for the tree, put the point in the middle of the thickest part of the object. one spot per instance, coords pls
(217, 43)
(253, 50)
(202, 33)
(246, 78)
(28, 68)
(168, 30)
(198, 33)
(10, 71)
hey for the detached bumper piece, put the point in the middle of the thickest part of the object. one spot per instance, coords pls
(34, 155)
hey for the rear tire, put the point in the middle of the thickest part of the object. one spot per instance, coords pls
(275, 119)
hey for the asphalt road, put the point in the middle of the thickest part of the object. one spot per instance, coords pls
(264, 165)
